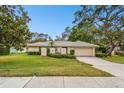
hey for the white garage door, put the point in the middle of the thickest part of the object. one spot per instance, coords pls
(83, 51)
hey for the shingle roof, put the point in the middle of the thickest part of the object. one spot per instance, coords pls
(64, 44)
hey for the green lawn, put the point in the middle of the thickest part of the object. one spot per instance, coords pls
(29, 65)
(116, 59)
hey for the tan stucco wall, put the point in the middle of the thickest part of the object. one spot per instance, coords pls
(52, 50)
(84, 51)
(93, 51)
(33, 49)
(43, 51)
(58, 49)
(63, 50)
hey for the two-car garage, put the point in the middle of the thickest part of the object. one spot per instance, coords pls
(85, 51)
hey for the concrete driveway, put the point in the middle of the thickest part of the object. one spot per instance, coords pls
(113, 68)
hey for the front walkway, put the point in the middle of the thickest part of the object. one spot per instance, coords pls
(61, 82)
(113, 68)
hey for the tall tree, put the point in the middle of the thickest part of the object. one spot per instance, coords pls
(39, 37)
(108, 22)
(82, 35)
(64, 35)
(13, 26)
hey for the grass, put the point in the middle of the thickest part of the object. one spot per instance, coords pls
(116, 59)
(29, 65)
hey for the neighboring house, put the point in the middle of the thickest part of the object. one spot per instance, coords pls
(15, 51)
(63, 47)
(117, 50)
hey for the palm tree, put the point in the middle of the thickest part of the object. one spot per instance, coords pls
(51, 43)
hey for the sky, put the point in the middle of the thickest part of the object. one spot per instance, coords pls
(52, 19)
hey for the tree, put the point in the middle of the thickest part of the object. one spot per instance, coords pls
(13, 26)
(64, 35)
(39, 37)
(122, 45)
(58, 38)
(81, 34)
(108, 22)
(51, 43)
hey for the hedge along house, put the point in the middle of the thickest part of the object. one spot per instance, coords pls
(62, 47)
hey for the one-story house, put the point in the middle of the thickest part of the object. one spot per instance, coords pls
(63, 47)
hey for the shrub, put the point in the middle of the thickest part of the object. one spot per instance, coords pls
(101, 49)
(33, 53)
(71, 52)
(101, 55)
(58, 53)
(61, 56)
(48, 50)
(122, 48)
(4, 51)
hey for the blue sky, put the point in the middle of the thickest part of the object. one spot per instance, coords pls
(51, 20)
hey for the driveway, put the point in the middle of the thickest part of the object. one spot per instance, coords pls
(113, 68)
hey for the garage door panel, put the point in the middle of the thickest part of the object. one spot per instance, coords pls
(84, 51)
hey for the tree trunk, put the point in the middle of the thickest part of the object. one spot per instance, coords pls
(109, 50)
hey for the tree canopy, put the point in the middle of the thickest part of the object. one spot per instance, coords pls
(64, 35)
(103, 25)
(14, 30)
(39, 37)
